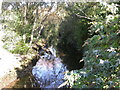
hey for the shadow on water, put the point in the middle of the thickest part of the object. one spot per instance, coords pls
(72, 34)
(71, 57)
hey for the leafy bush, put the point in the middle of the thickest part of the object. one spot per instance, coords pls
(21, 48)
(72, 33)
(10, 39)
(101, 56)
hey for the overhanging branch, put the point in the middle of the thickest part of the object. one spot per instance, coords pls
(84, 17)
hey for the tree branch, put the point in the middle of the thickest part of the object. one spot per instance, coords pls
(84, 17)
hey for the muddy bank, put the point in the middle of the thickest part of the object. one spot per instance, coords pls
(24, 78)
(8, 63)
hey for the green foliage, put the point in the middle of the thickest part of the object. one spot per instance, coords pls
(14, 43)
(15, 29)
(16, 24)
(94, 26)
(52, 24)
(10, 39)
(73, 32)
(27, 21)
(21, 48)
(101, 55)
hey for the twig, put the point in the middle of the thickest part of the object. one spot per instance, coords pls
(84, 17)
(63, 84)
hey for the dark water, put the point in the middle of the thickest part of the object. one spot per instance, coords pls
(71, 56)
(71, 60)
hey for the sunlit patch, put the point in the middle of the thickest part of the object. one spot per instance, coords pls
(102, 61)
(49, 70)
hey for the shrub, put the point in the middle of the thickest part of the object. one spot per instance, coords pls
(21, 48)
(101, 56)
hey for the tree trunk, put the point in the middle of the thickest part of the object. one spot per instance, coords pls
(34, 25)
(41, 23)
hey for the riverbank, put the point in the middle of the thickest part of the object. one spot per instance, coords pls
(25, 79)
(8, 63)
(11, 65)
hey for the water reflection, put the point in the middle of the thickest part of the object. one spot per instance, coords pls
(71, 56)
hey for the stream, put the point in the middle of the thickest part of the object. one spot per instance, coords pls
(48, 71)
